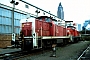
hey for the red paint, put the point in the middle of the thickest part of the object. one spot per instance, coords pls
(27, 28)
(64, 31)
(52, 29)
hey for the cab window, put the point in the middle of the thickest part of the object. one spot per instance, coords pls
(40, 19)
(47, 20)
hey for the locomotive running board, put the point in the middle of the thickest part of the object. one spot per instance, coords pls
(50, 37)
(55, 37)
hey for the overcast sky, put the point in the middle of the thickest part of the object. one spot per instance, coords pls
(76, 10)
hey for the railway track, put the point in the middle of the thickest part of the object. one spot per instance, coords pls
(21, 54)
(85, 55)
(13, 55)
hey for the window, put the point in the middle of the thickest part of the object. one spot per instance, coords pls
(3, 20)
(40, 19)
(19, 22)
(15, 15)
(19, 16)
(56, 22)
(0, 28)
(9, 21)
(3, 28)
(9, 13)
(16, 22)
(26, 6)
(6, 13)
(3, 12)
(23, 16)
(9, 29)
(47, 20)
(0, 11)
(0, 20)
(16, 30)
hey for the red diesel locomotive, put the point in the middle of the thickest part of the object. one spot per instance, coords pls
(45, 31)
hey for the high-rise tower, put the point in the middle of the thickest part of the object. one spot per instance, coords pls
(60, 12)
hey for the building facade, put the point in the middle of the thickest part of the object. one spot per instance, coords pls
(79, 28)
(6, 19)
(86, 25)
(21, 13)
(60, 12)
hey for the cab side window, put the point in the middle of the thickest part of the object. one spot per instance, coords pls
(47, 20)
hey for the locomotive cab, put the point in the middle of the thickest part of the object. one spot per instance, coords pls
(33, 30)
(71, 31)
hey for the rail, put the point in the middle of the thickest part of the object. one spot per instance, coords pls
(81, 56)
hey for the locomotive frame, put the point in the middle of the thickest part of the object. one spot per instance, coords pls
(36, 42)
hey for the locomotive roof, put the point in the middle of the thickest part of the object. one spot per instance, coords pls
(54, 20)
(46, 17)
(42, 17)
(68, 21)
(71, 26)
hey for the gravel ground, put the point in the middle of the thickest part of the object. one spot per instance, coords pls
(68, 52)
